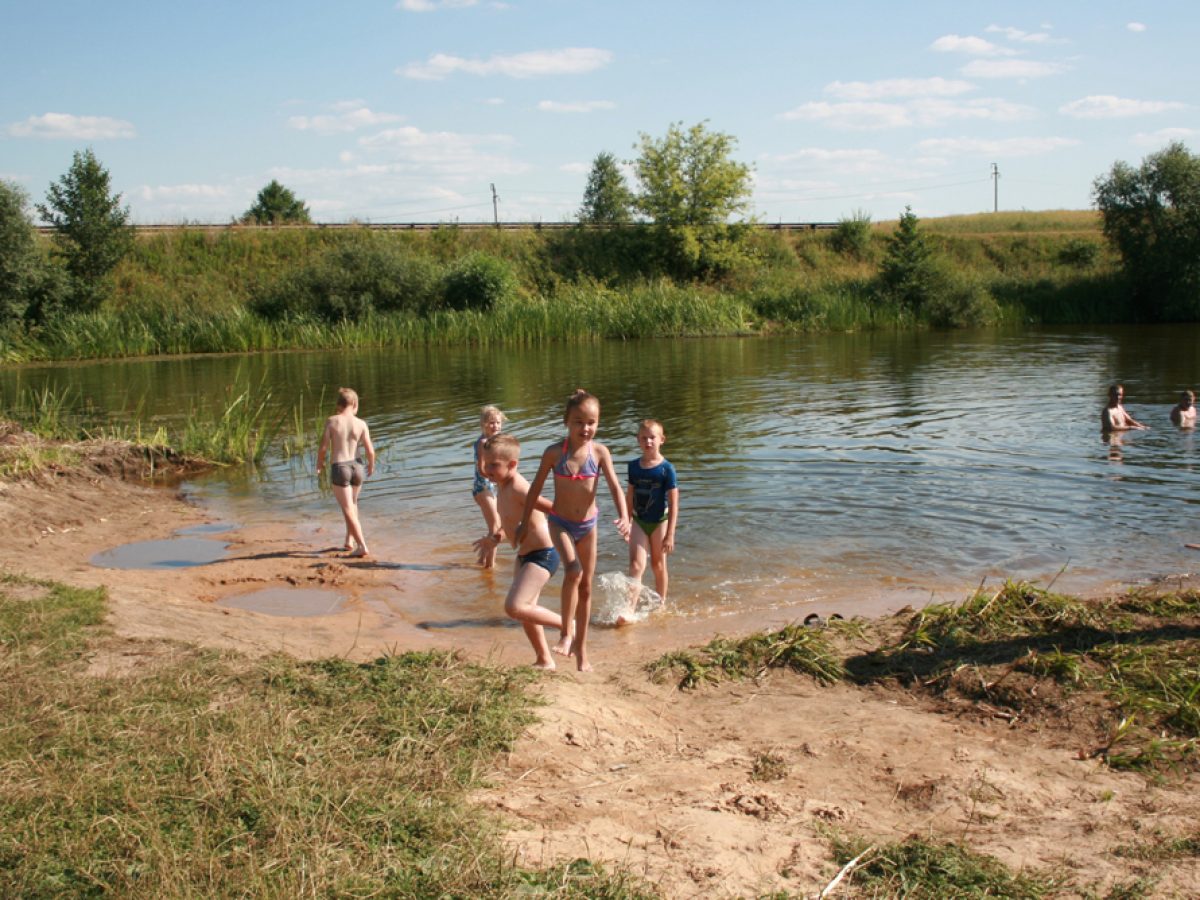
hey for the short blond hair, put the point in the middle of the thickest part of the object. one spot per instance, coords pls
(486, 412)
(347, 397)
(652, 423)
(503, 445)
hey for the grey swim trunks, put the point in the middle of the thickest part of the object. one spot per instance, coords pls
(346, 474)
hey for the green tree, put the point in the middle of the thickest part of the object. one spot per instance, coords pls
(18, 253)
(909, 274)
(1152, 217)
(91, 228)
(276, 205)
(607, 200)
(690, 188)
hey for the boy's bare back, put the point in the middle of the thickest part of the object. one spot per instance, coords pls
(510, 501)
(344, 432)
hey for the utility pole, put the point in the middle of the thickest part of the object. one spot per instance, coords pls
(995, 188)
(495, 207)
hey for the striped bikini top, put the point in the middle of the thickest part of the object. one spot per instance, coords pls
(589, 469)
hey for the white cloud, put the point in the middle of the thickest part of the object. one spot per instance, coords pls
(494, 101)
(420, 6)
(925, 111)
(1011, 68)
(534, 64)
(1136, 27)
(1002, 148)
(576, 106)
(1164, 136)
(1106, 106)
(409, 149)
(576, 168)
(162, 192)
(970, 45)
(897, 87)
(1024, 37)
(68, 127)
(343, 120)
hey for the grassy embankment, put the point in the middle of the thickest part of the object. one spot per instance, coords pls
(206, 774)
(1022, 654)
(191, 291)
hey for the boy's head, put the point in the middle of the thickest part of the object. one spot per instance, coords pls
(501, 453)
(1186, 399)
(650, 434)
(347, 399)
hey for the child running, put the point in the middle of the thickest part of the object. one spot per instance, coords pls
(491, 423)
(344, 431)
(653, 498)
(577, 464)
(537, 560)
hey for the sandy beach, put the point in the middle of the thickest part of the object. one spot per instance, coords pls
(620, 769)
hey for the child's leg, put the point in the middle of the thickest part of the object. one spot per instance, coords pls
(572, 573)
(522, 604)
(586, 549)
(350, 543)
(658, 559)
(346, 500)
(491, 519)
(639, 547)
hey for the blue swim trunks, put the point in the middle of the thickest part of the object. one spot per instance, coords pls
(547, 558)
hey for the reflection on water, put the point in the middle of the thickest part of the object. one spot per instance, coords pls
(174, 553)
(810, 467)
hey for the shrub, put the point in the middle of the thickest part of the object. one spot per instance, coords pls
(478, 282)
(1079, 252)
(852, 237)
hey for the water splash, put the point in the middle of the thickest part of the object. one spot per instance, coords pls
(619, 600)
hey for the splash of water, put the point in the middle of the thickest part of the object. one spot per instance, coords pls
(619, 600)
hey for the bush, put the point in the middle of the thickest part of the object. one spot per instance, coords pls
(478, 282)
(959, 303)
(852, 237)
(1080, 253)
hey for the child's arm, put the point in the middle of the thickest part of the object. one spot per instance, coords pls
(614, 488)
(672, 518)
(369, 448)
(535, 493)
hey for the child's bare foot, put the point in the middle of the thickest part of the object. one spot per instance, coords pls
(625, 618)
(360, 553)
(563, 647)
(546, 666)
(583, 665)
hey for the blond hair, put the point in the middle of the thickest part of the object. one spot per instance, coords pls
(652, 423)
(503, 445)
(486, 412)
(347, 397)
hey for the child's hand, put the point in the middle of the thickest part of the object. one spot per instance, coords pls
(668, 543)
(622, 528)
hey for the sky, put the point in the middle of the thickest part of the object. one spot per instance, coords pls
(415, 110)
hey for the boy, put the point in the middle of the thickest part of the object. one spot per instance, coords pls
(1183, 413)
(653, 498)
(537, 560)
(1114, 417)
(344, 431)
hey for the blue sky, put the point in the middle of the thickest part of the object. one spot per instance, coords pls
(386, 111)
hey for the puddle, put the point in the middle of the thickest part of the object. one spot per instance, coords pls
(298, 602)
(208, 528)
(176, 553)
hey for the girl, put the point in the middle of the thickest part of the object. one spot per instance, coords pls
(577, 464)
(491, 421)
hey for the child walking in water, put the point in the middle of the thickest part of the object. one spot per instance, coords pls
(344, 432)
(577, 464)
(537, 560)
(653, 497)
(483, 490)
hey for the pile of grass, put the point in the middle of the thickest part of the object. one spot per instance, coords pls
(1138, 655)
(207, 774)
(794, 647)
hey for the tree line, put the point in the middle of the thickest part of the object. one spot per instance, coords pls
(685, 218)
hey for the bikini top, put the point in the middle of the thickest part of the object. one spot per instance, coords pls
(589, 469)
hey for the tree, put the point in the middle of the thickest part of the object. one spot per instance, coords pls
(91, 228)
(690, 188)
(276, 205)
(1152, 217)
(18, 253)
(908, 275)
(607, 200)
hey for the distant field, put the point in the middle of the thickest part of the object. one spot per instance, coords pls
(1053, 221)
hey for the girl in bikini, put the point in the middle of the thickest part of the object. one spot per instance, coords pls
(577, 464)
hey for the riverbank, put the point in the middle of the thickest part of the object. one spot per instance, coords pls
(250, 290)
(731, 788)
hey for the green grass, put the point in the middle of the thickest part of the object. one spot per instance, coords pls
(207, 774)
(917, 869)
(793, 647)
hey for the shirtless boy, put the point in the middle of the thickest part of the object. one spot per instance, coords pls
(1114, 417)
(537, 560)
(1183, 413)
(344, 432)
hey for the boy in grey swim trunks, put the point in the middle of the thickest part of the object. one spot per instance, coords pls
(344, 432)
(537, 559)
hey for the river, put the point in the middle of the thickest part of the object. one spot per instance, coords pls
(859, 471)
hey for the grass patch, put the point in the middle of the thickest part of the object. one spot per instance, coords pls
(794, 647)
(1138, 655)
(212, 775)
(1164, 848)
(917, 869)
